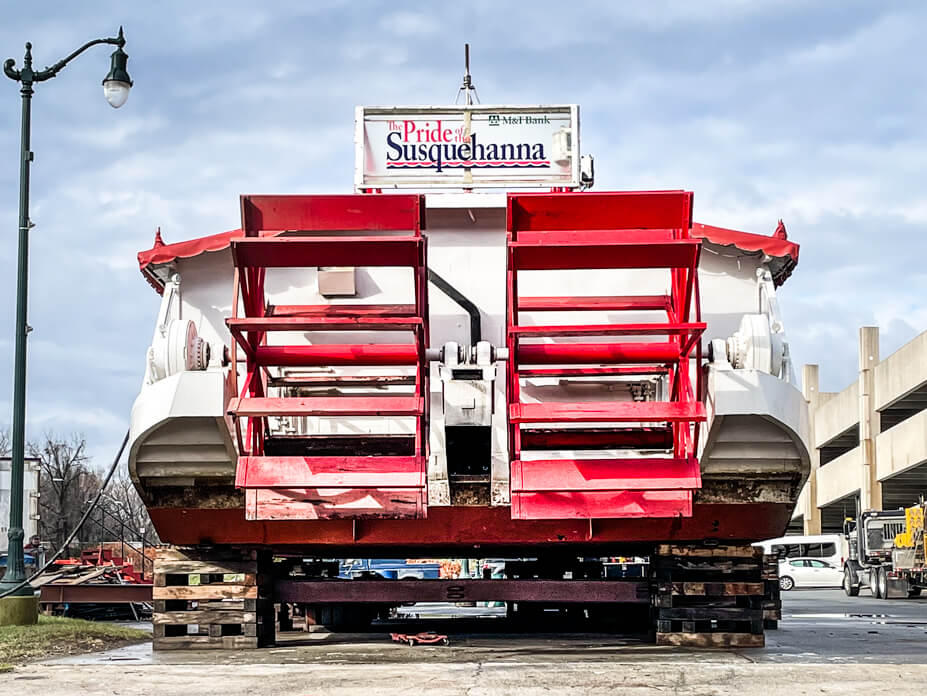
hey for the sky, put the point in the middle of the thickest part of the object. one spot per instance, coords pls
(766, 109)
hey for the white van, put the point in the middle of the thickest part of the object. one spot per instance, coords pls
(808, 561)
(827, 547)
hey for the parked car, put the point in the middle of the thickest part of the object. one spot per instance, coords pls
(827, 547)
(809, 572)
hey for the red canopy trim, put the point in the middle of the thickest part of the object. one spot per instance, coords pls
(777, 246)
(162, 253)
(166, 253)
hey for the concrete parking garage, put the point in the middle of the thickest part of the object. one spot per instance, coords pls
(870, 439)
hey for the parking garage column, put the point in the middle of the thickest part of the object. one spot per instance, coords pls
(811, 515)
(870, 489)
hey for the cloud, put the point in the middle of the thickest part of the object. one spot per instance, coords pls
(808, 112)
(120, 136)
(413, 24)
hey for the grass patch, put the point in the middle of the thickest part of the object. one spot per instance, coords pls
(56, 635)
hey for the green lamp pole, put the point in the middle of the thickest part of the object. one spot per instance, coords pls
(116, 87)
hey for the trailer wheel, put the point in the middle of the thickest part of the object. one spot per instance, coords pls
(786, 583)
(874, 583)
(914, 592)
(882, 579)
(848, 586)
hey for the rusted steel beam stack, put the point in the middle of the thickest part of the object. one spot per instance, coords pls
(709, 596)
(212, 599)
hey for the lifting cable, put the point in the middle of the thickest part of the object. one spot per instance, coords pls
(67, 542)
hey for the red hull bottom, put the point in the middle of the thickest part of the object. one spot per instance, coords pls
(467, 531)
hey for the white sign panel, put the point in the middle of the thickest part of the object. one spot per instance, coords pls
(467, 146)
(30, 501)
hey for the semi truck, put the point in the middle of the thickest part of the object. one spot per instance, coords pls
(31, 503)
(886, 553)
(470, 355)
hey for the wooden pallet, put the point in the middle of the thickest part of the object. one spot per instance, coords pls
(707, 564)
(772, 604)
(709, 597)
(212, 599)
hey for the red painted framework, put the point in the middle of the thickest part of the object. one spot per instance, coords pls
(469, 531)
(626, 230)
(350, 230)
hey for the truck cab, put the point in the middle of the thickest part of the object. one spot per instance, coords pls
(870, 540)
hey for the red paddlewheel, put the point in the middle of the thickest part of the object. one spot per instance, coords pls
(353, 230)
(623, 232)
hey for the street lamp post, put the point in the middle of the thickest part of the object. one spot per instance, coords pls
(116, 87)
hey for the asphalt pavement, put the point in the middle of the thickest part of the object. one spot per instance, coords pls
(828, 626)
(826, 643)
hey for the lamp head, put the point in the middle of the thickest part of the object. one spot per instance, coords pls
(117, 83)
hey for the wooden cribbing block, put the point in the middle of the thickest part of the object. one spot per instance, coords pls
(213, 598)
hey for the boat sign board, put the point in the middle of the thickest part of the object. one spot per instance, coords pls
(472, 146)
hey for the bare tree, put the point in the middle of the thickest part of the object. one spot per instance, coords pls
(66, 484)
(6, 446)
(129, 511)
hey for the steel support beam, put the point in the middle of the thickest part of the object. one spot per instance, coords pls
(553, 591)
(95, 594)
